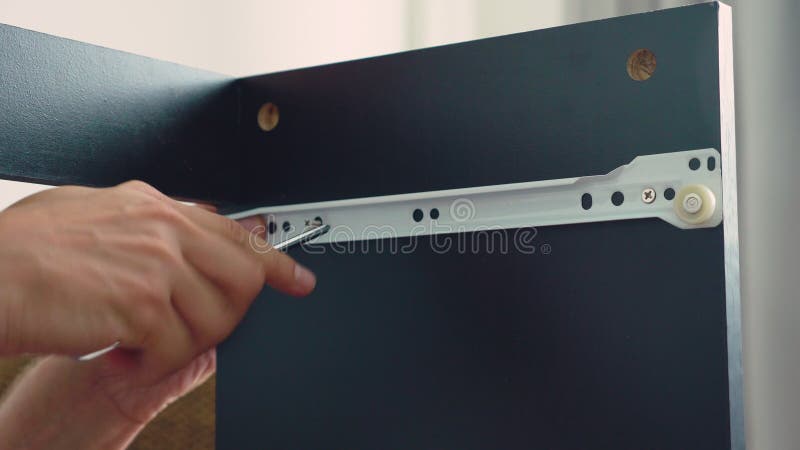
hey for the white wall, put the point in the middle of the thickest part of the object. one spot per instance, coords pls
(243, 37)
(235, 37)
(438, 22)
(768, 107)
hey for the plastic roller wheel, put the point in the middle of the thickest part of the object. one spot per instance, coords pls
(694, 203)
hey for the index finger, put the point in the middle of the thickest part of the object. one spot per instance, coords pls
(280, 270)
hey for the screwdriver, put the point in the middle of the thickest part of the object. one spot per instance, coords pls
(301, 238)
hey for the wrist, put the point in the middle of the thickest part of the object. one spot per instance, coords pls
(56, 404)
(22, 281)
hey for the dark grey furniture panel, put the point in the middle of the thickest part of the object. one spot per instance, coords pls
(75, 113)
(596, 345)
(617, 339)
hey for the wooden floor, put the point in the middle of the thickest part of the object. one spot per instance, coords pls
(187, 424)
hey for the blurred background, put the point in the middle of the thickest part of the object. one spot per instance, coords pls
(242, 37)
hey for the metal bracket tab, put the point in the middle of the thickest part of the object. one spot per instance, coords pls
(681, 188)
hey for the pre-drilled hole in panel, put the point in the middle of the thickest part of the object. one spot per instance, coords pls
(268, 116)
(712, 163)
(641, 64)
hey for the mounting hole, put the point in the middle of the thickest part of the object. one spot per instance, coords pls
(694, 163)
(641, 64)
(418, 215)
(586, 201)
(711, 163)
(272, 227)
(669, 193)
(617, 198)
(434, 213)
(268, 116)
(286, 226)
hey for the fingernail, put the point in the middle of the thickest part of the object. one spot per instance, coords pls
(207, 207)
(305, 278)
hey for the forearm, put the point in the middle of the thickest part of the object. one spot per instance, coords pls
(55, 405)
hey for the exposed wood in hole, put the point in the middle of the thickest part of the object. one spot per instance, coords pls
(641, 64)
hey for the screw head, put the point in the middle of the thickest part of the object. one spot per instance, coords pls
(649, 195)
(692, 203)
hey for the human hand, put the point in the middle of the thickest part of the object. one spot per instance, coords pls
(82, 268)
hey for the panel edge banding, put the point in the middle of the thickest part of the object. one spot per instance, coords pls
(731, 227)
